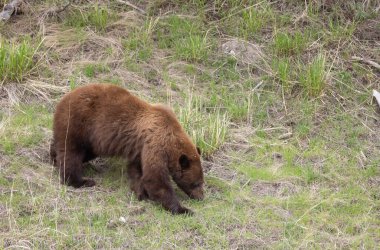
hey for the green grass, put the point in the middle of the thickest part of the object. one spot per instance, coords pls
(207, 127)
(338, 31)
(290, 141)
(253, 21)
(313, 76)
(139, 45)
(188, 38)
(91, 70)
(287, 44)
(97, 17)
(237, 104)
(24, 128)
(250, 21)
(283, 71)
(16, 60)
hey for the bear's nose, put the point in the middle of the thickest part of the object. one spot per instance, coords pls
(198, 195)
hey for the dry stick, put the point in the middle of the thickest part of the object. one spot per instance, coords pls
(372, 63)
(132, 6)
(10, 9)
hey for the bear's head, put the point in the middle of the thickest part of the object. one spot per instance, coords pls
(184, 159)
(188, 174)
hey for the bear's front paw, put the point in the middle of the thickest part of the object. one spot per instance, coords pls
(88, 183)
(142, 195)
(182, 210)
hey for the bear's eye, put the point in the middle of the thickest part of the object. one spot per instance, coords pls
(184, 162)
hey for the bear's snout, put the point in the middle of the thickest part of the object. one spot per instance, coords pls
(197, 194)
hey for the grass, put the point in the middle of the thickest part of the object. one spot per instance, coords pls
(97, 17)
(282, 69)
(288, 44)
(289, 141)
(313, 77)
(248, 22)
(187, 37)
(139, 45)
(91, 70)
(208, 130)
(22, 130)
(16, 60)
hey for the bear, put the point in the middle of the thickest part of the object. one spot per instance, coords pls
(102, 120)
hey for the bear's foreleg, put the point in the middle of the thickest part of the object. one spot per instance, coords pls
(157, 186)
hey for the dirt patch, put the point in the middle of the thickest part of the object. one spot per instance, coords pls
(4, 161)
(374, 182)
(247, 244)
(275, 189)
(135, 211)
(191, 235)
(25, 24)
(218, 168)
(3, 210)
(220, 164)
(125, 24)
(369, 30)
(37, 154)
(256, 241)
(244, 52)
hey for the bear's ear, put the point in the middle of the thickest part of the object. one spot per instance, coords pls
(199, 151)
(184, 162)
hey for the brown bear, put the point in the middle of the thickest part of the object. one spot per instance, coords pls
(106, 120)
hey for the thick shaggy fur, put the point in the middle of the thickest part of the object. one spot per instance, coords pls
(106, 120)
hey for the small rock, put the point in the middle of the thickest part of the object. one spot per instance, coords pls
(244, 52)
(285, 136)
(122, 219)
(112, 224)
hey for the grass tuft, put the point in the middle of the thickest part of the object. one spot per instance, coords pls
(207, 129)
(282, 69)
(193, 48)
(91, 70)
(97, 17)
(16, 60)
(313, 77)
(286, 44)
(139, 44)
(187, 37)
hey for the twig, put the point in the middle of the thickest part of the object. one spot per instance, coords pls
(132, 6)
(372, 63)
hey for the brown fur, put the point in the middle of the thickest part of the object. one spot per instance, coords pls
(105, 120)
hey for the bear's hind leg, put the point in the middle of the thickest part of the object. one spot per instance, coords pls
(53, 153)
(71, 170)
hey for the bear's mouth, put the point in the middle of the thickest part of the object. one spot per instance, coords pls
(197, 194)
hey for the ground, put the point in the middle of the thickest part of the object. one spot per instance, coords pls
(269, 90)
